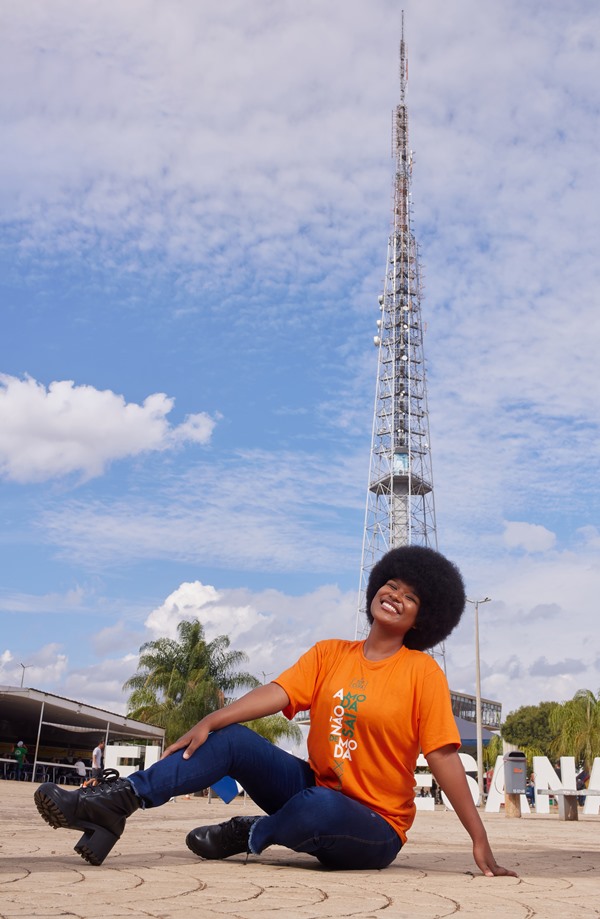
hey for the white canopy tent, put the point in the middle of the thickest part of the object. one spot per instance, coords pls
(42, 719)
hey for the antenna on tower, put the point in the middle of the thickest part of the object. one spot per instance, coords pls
(403, 64)
(400, 507)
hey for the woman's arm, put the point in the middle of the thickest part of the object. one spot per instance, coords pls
(448, 771)
(264, 700)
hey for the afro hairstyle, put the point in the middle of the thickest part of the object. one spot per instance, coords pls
(437, 582)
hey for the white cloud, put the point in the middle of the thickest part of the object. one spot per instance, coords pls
(245, 149)
(49, 669)
(564, 667)
(41, 668)
(271, 627)
(189, 601)
(47, 433)
(101, 684)
(115, 637)
(134, 150)
(196, 429)
(221, 509)
(539, 635)
(529, 536)
(590, 536)
(74, 600)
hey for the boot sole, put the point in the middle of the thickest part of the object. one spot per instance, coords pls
(96, 842)
(51, 812)
(91, 853)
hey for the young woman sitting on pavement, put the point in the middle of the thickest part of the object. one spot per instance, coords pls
(374, 705)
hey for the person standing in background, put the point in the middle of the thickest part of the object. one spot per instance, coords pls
(97, 757)
(20, 754)
(80, 771)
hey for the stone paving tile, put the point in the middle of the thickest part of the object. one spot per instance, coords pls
(151, 874)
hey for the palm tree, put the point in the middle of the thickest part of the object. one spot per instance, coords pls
(275, 728)
(492, 751)
(179, 682)
(577, 725)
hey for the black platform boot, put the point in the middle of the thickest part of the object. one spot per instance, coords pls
(99, 810)
(222, 839)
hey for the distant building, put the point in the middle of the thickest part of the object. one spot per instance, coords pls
(464, 706)
(56, 729)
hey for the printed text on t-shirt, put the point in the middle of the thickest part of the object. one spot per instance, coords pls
(343, 723)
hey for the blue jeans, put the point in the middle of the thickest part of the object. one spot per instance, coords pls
(339, 831)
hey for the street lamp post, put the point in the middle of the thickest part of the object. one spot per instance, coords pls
(25, 667)
(478, 698)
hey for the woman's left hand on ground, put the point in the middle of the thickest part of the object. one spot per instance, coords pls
(485, 860)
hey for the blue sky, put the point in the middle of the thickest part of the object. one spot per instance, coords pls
(195, 203)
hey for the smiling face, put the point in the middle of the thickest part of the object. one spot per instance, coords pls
(395, 607)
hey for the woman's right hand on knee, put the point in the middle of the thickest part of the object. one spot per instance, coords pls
(191, 740)
(264, 700)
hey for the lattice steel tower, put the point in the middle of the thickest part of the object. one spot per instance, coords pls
(400, 507)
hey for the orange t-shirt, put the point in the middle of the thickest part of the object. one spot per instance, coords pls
(369, 720)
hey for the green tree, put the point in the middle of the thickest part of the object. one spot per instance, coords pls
(178, 682)
(530, 730)
(576, 727)
(492, 751)
(276, 728)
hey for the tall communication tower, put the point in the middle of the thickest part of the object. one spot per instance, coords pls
(400, 507)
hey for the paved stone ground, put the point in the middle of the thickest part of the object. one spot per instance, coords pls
(151, 873)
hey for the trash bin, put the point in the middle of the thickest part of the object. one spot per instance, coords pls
(515, 773)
